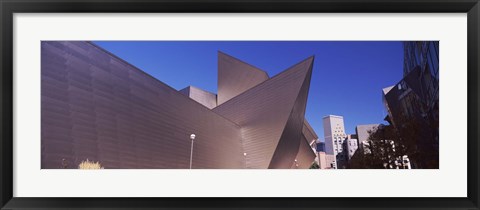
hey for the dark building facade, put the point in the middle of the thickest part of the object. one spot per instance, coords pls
(320, 147)
(98, 107)
(415, 100)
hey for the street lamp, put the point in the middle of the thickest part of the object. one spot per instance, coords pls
(192, 137)
(245, 159)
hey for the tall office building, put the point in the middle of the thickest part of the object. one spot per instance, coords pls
(334, 131)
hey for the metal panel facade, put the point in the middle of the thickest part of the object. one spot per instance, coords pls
(235, 77)
(263, 112)
(201, 96)
(96, 106)
(292, 136)
(308, 131)
(305, 156)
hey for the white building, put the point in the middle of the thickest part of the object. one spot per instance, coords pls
(330, 162)
(363, 134)
(404, 163)
(323, 160)
(352, 145)
(334, 131)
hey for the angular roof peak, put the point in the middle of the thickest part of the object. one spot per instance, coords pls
(267, 114)
(235, 77)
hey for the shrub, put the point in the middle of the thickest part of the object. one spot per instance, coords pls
(89, 165)
(314, 165)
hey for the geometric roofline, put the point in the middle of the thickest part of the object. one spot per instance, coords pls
(236, 77)
(99, 107)
(387, 89)
(270, 115)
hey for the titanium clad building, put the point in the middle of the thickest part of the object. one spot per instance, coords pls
(271, 115)
(98, 107)
(201, 96)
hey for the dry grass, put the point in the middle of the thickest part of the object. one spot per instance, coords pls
(89, 165)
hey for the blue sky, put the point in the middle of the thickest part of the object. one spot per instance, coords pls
(347, 77)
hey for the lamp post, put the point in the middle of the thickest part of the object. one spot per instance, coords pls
(245, 159)
(192, 137)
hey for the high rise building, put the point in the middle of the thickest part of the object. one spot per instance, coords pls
(334, 131)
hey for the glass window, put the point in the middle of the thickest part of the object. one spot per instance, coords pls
(433, 59)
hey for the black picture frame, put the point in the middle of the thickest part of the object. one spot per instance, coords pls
(9, 7)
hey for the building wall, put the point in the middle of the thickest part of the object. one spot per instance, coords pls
(410, 101)
(406, 99)
(327, 131)
(309, 132)
(201, 96)
(331, 161)
(421, 53)
(268, 113)
(352, 145)
(305, 156)
(322, 160)
(320, 146)
(96, 106)
(236, 77)
(424, 55)
(363, 135)
(334, 131)
(292, 135)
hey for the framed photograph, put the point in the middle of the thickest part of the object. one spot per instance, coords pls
(239, 105)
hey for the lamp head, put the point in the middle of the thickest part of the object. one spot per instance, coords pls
(192, 136)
